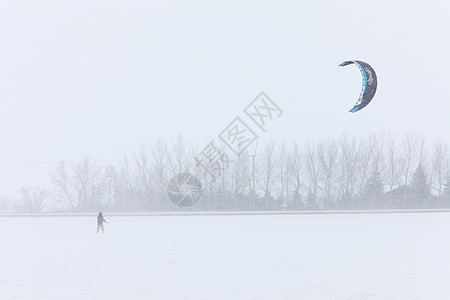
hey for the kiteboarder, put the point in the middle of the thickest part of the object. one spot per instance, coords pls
(100, 221)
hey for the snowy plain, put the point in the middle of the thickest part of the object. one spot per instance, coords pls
(325, 256)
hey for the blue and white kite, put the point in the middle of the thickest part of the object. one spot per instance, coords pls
(369, 86)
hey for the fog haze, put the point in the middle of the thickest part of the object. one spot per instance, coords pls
(98, 78)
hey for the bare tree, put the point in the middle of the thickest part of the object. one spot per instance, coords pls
(143, 170)
(241, 181)
(283, 174)
(4, 205)
(111, 186)
(267, 171)
(160, 155)
(88, 182)
(296, 171)
(82, 187)
(226, 161)
(180, 157)
(127, 190)
(328, 157)
(392, 164)
(313, 171)
(378, 153)
(366, 151)
(409, 149)
(33, 199)
(349, 161)
(63, 183)
(438, 174)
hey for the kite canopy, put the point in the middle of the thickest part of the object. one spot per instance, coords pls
(369, 84)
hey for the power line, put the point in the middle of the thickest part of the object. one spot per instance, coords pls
(62, 161)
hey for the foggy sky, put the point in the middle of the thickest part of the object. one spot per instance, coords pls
(98, 78)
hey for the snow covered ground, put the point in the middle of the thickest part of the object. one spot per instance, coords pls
(346, 256)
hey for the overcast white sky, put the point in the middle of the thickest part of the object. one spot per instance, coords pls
(100, 77)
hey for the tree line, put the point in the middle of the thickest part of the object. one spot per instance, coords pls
(371, 172)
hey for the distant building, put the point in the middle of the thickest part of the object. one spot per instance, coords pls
(401, 197)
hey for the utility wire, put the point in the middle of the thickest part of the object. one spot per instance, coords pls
(62, 161)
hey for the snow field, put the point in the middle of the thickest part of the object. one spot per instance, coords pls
(368, 256)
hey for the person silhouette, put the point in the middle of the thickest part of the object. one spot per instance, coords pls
(100, 221)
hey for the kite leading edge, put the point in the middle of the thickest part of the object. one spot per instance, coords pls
(369, 83)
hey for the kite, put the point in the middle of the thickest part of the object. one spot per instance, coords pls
(369, 83)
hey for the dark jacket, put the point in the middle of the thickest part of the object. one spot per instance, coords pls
(100, 219)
